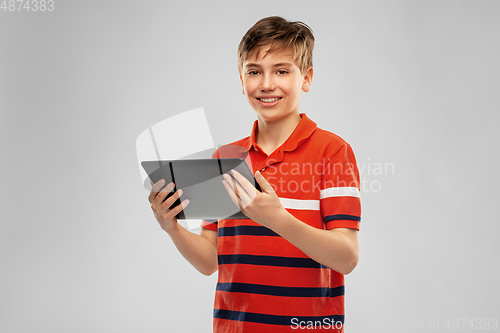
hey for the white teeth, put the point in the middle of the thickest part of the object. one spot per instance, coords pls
(269, 100)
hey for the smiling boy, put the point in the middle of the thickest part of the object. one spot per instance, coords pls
(283, 269)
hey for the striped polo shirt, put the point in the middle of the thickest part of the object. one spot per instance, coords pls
(266, 284)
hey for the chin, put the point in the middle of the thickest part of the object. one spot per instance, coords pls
(274, 115)
(269, 115)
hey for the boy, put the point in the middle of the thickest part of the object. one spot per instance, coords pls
(282, 269)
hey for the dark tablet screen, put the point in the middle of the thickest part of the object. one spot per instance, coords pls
(201, 183)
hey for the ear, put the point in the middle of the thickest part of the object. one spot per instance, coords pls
(306, 85)
(242, 87)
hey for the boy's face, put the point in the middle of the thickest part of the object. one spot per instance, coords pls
(273, 83)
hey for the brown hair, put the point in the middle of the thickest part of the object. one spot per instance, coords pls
(280, 33)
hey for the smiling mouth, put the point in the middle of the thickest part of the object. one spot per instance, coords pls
(269, 100)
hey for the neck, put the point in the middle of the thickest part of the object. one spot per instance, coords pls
(273, 134)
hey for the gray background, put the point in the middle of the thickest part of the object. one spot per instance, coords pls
(411, 84)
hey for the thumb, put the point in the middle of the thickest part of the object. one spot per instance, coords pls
(264, 185)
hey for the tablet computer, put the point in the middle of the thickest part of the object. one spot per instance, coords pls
(201, 183)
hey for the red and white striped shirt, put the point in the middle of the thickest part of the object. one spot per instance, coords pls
(266, 284)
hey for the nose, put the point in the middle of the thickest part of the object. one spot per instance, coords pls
(267, 83)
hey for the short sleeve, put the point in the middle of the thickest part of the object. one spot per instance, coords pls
(340, 201)
(209, 224)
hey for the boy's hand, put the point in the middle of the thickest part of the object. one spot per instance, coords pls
(161, 207)
(262, 207)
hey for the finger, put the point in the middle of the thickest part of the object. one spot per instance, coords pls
(157, 203)
(241, 192)
(166, 191)
(176, 210)
(232, 194)
(166, 205)
(231, 182)
(264, 185)
(161, 206)
(158, 185)
(154, 190)
(249, 188)
(244, 183)
(161, 195)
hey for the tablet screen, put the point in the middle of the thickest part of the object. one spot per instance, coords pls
(201, 183)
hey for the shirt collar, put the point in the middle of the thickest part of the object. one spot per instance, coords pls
(300, 134)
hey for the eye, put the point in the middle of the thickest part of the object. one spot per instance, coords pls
(282, 72)
(252, 72)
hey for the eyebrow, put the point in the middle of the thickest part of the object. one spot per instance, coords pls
(275, 65)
